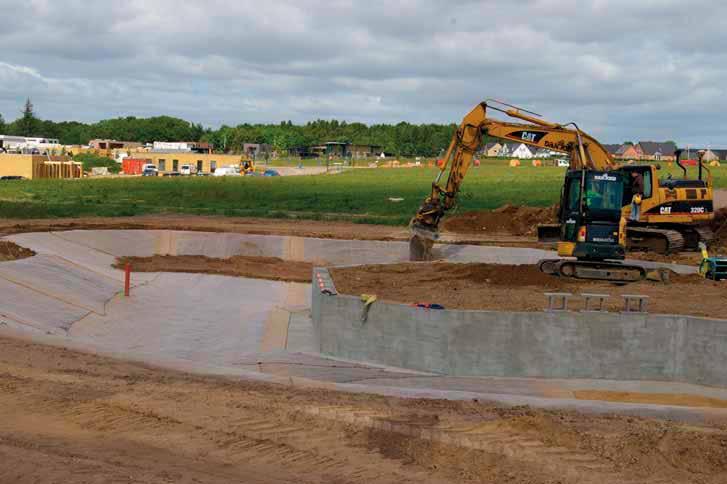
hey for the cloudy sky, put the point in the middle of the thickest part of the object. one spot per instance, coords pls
(622, 69)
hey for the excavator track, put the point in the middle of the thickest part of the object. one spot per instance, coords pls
(660, 241)
(706, 234)
(593, 270)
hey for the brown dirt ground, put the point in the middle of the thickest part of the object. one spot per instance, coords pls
(258, 226)
(73, 417)
(507, 219)
(519, 288)
(11, 251)
(272, 268)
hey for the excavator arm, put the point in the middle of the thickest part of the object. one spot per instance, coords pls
(583, 150)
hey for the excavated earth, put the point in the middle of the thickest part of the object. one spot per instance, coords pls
(507, 219)
(272, 268)
(519, 288)
(73, 417)
(12, 251)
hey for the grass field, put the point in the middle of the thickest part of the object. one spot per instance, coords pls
(361, 195)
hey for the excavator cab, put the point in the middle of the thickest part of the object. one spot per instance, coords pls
(590, 215)
(592, 229)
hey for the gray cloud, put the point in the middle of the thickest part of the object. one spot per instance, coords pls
(621, 69)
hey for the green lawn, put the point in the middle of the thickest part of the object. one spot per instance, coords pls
(361, 195)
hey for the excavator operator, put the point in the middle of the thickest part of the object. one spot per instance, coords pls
(637, 188)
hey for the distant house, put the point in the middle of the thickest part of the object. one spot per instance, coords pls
(492, 149)
(256, 150)
(720, 155)
(629, 152)
(181, 147)
(363, 151)
(112, 144)
(657, 150)
(516, 150)
(612, 149)
(710, 154)
(544, 153)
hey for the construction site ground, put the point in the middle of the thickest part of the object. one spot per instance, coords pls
(195, 379)
(497, 287)
(71, 417)
(502, 287)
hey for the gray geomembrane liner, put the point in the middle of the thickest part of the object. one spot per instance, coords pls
(69, 294)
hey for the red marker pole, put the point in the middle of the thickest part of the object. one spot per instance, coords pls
(127, 279)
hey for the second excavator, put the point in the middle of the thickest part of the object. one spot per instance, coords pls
(595, 201)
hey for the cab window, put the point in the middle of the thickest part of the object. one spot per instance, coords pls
(647, 183)
(574, 194)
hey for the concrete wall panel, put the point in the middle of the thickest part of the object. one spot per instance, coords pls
(526, 344)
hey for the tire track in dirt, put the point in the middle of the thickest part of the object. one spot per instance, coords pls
(128, 423)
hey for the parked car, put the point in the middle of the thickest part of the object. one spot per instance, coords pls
(12, 177)
(226, 171)
(150, 172)
(187, 170)
(271, 173)
(201, 173)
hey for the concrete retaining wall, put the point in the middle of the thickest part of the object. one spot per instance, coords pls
(524, 344)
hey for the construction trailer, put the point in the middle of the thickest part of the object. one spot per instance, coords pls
(34, 167)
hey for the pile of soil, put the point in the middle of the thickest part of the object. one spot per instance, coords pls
(719, 227)
(508, 219)
(272, 268)
(12, 251)
(520, 288)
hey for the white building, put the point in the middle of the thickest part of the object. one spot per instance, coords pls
(516, 150)
(172, 146)
(22, 143)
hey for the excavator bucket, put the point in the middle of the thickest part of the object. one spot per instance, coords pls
(421, 241)
(420, 248)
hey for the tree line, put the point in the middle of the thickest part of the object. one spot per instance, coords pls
(402, 139)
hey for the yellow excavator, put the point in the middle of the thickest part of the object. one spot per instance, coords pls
(247, 165)
(595, 200)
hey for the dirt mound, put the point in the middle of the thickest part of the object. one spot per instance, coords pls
(272, 268)
(503, 275)
(719, 227)
(508, 219)
(11, 251)
(518, 288)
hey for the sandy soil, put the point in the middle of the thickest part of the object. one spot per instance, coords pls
(507, 219)
(272, 268)
(259, 226)
(11, 251)
(519, 288)
(77, 418)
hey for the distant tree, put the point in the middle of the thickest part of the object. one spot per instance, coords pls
(2, 124)
(28, 124)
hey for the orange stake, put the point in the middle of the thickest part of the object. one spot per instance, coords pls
(127, 279)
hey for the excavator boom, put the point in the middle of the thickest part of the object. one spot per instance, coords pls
(584, 152)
